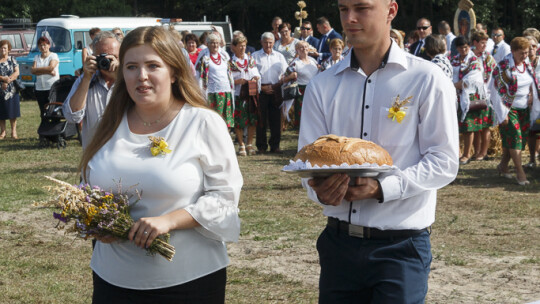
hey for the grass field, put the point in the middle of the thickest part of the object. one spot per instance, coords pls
(486, 239)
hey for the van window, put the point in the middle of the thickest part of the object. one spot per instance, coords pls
(59, 37)
(14, 39)
(28, 37)
(79, 40)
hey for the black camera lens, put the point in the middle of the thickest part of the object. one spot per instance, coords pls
(103, 62)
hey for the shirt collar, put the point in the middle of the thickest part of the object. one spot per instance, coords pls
(395, 55)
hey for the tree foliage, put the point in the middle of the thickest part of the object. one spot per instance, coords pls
(254, 16)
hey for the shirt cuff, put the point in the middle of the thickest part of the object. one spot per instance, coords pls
(390, 188)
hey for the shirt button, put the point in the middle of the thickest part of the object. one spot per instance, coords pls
(369, 81)
(365, 134)
(367, 107)
(354, 211)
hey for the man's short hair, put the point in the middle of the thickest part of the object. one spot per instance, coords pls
(498, 28)
(237, 33)
(306, 22)
(461, 41)
(276, 18)
(323, 20)
(267, 35)
(102, 36)
(443, 25)
(423, 18)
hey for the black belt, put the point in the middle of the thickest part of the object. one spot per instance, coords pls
(371, 233)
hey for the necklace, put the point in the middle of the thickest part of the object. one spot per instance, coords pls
(149, 124)
(242, 66)
(217, 61)
(523, 64)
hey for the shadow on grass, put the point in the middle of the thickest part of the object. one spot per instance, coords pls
(489, 178)
(44, 170)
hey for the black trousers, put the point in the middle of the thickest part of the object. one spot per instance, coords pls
(270, 117)
(42, 99)
(209, 289)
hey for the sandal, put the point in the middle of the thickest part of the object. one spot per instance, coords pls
(242, 151)
(251, 150)
(504, 174)
(530, 165)
(464, 161)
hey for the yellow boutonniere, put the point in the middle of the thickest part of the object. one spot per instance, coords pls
(158, 146)
(397, 111)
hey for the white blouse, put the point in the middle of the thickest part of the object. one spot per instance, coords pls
(288, 51)
(44, 82)
(218, 77)
(200, 175)
(525, 83)
(246, 73)
(305, 71)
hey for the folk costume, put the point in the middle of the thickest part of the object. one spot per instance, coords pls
(216, 80)
(510, 87)
(245, 106)
(470, 71)
(305, 72)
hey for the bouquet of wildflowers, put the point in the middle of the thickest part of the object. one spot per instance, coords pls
(95, 212)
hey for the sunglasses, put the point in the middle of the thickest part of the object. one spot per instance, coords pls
(305, 28)
(423, 28)
(496, 35)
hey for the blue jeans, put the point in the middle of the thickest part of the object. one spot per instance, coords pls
(356, 270)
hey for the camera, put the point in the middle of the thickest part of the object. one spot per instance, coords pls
(103, 63)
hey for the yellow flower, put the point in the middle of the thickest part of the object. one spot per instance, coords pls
(397, 110)
(158, 146)
(395, 114)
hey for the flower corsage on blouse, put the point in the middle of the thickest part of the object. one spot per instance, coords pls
(158, 146)
(397, 111)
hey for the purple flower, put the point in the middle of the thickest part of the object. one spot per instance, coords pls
(59, 217)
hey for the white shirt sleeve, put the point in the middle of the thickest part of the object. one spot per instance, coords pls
(217, 209)
(77, 116)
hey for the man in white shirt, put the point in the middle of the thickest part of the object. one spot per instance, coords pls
(423, 28)
(446, 31)
(376, 246)
(501, 48)
(90, 94)
(272, 66)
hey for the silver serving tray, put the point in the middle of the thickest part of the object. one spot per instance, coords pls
(353, 172)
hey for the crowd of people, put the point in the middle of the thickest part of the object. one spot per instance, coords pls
(190, 92)
(497, 84)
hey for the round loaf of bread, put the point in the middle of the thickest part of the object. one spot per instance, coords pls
(336, 150)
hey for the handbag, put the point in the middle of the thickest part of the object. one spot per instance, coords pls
(249, 89)
(535, 128)
(19, 86)
(291, 91)
(476, 103)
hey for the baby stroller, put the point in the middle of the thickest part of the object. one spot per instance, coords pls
(54, 129)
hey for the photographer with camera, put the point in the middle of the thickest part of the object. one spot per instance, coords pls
(90, 94)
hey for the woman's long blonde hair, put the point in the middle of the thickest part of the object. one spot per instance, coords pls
(184, 89)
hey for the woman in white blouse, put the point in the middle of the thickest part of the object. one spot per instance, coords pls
(191, 192)
(244, 68)
(336, 49)
(516, 104)
(287, 44)
(300, 70)
(216, 80)
(46, 70)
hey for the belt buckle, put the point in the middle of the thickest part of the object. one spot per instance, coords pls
(356, 231)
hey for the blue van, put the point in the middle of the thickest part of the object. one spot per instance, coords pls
(69, 35)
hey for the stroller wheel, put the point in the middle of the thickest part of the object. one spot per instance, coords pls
(43, 142)
(61, 143)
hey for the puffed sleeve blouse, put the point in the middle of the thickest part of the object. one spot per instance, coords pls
(200, 175)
